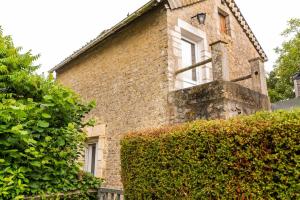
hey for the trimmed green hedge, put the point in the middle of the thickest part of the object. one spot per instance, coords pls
(251, 157)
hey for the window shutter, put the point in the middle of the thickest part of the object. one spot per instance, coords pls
(223, 25)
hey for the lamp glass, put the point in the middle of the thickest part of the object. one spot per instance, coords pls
(201, 18)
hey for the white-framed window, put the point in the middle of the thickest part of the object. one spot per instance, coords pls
(194, 49)
(189, 56)
(91, 157)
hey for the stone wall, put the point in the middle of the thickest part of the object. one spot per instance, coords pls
(215, 100)
(131, 73)
(127, 76)
(240, 49)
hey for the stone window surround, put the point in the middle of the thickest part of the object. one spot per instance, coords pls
(97, 134)
(187, 31)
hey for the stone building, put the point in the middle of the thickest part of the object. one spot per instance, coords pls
(169, 62)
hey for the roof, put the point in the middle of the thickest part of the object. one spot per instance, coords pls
(174, 4)
(287, 104)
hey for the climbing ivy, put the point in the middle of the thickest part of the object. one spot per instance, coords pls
(41, 127)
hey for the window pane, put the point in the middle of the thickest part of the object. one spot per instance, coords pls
(188, 53)
(91, 158)
(93, 161)
(188, 50)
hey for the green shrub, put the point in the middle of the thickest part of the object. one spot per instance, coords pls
(41, 133)
(249, 157)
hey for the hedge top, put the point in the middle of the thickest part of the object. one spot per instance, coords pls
(238, 125)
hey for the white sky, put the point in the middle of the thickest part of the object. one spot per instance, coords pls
(56, 28)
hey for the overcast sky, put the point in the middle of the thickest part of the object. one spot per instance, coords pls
(56, 28)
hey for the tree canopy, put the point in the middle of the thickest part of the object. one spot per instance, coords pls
(280, 82)
(41, 130)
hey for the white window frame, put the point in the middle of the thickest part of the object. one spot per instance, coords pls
(197, 37)
(88, 157)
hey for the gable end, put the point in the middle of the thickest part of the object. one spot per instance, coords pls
(174, 4)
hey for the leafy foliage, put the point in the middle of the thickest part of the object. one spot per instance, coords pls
(280, 82)
(251, 157)
(41, 133)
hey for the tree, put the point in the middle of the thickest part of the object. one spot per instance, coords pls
(41, 130)
(280, 82)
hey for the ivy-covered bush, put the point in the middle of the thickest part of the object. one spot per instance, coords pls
(41, 133)
(250, 157)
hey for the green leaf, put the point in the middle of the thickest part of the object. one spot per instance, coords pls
(32, 141)
(35, 163)
(48, 97)
(46, 115)
(48, 138)
(43, 124)
(19, 197)
(61, 141)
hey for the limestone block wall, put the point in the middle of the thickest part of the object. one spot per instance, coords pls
(127, 76)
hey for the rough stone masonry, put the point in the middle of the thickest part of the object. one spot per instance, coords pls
(130, 72)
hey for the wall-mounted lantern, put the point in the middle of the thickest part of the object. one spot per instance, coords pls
(201, 17)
